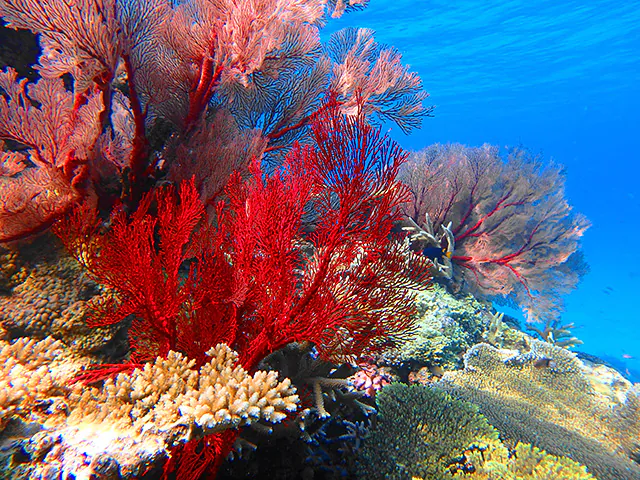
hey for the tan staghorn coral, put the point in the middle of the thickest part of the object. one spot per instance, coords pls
(543, 397)
(131, 422)
(168, 395)
(32, 372)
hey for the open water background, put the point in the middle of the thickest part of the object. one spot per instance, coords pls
(562, 79)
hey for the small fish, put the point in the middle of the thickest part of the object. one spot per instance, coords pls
(627, 356)
(545, 363)
(435, 253)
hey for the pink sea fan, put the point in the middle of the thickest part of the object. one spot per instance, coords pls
(40, 182)
(505, 223)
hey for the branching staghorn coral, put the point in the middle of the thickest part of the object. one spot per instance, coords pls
(133, 420)
(556, 333)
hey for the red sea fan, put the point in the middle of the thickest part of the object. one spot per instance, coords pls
(256, 278)
(343, 286)
(138, 257)
(41, 182)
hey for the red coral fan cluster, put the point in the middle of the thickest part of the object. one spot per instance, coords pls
(256, 278)
(158, 85)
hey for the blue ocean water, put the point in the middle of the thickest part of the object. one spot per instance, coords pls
(562, 79)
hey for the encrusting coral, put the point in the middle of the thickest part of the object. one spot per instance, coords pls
(47, 293)
(525, 462)
(132, 421)
(543, 397)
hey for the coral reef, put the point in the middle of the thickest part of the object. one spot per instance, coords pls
(447, 326)
(509, 233)
(543, 397)
(32, 375)
(424, 433)
(624, 419)
(47, 293)
(131, 422)
(524, 462)
(420, 432)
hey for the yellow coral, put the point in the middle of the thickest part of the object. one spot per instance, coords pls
(31, 371)
(526, 462)
(132, 420)
(169, 398)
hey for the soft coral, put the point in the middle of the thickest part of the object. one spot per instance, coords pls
(253, 278)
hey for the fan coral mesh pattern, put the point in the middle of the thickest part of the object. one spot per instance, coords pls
(505, 223)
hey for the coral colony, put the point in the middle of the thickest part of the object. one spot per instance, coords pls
(202, 228)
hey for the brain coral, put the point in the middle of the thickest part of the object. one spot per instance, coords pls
(542, 397)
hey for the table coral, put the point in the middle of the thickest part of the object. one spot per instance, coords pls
(425, 434)
(543, 397)
(420, 432)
